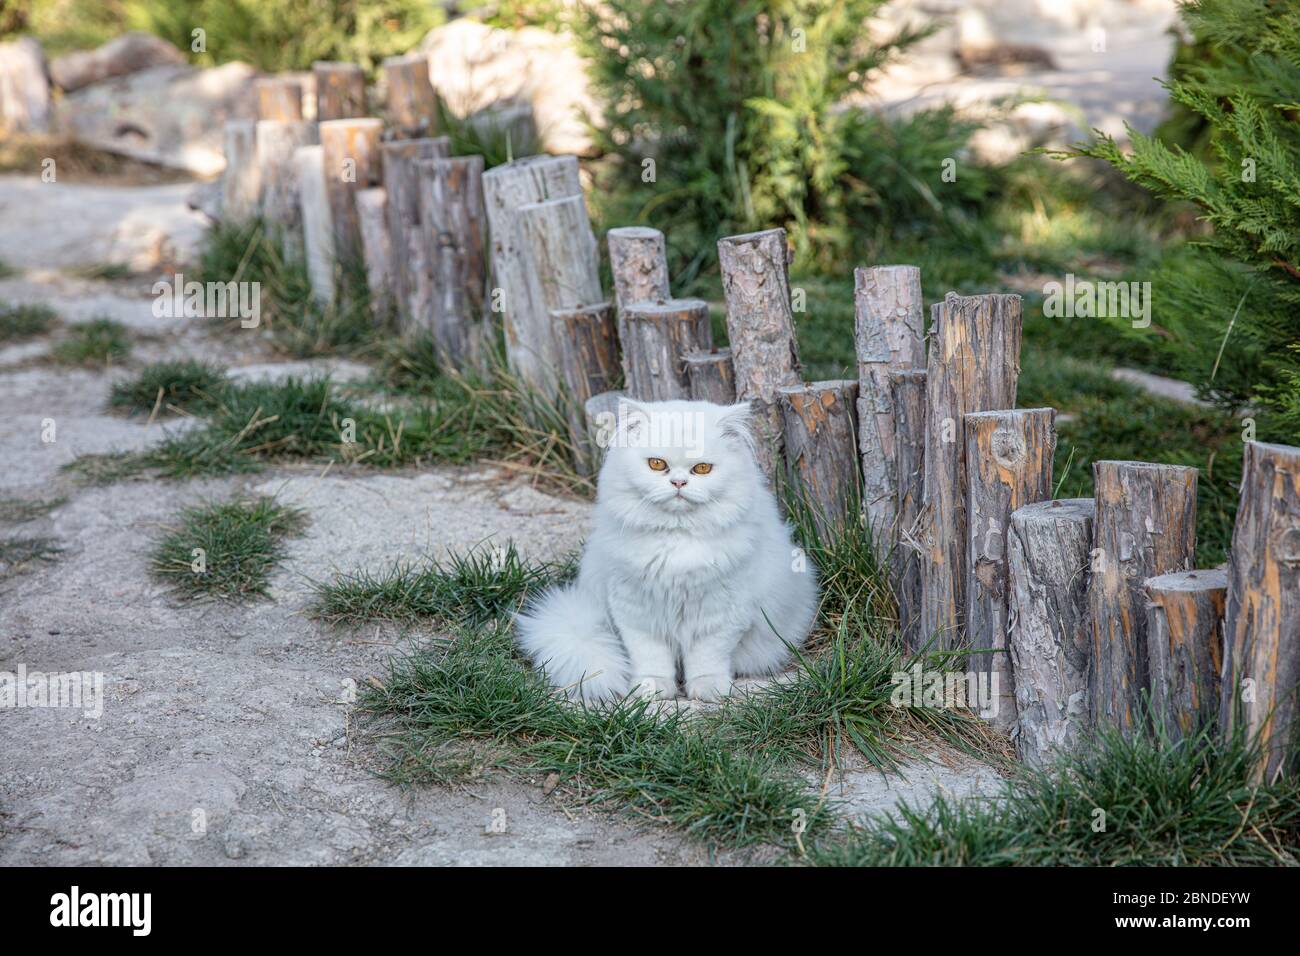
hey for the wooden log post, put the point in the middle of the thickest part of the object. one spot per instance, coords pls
(638, 262)
(602, 412)
(587, 340)
(1008, 465)
(973, 366)
(240, 190)
(1185, 649)
(412, 107)
(889, 331)
(350, 148)
(372, 214)
(1145, 526)
(1048, 550)
(1262, 628)
(517, 292)
(454, 223)
(656, 337)
(821, 451)
(412, 270)
(317, 230)
(907, 400)
(277, 141)
(711, 375)
(340, 91)
(760, 327)
(279, 99)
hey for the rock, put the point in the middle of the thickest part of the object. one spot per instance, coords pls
(171, 115)
(129, 53)
(475, 67)
(24, 87)
(206, 198)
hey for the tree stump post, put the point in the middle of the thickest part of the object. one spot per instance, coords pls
(454, 223)
(973, 366)
(907, 389)
(412, 270)
(372, 213)
(1145, 526)
(656, 337)
(587, 340)
(889, 332)
(1185, 648)
(317, 230)
(412, 107)
(1008, 465)
(517, 288)
(760, 327)
(639, 264)
(350, 148)
(821, 450)
(240, 190)
(1262, 627)
(602, 412)
(711, 375)
(340, 91)
(1048, 551)
(279, 99)
(277, 142)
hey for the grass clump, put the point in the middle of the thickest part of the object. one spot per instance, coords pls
(17, 553)
(20, 510)
(19, 322)
(185, 386)
(226, 549)
(97, 342)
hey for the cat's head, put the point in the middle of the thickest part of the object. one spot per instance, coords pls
(680, 463)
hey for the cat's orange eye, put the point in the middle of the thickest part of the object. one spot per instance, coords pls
(657, 464)
(703, 468)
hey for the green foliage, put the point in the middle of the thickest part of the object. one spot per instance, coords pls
(18, 322)
(484, 134)
(183, 386)
(97, 342)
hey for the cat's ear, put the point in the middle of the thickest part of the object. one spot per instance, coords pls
(736, 422)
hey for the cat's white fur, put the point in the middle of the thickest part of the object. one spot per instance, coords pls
(679, 567)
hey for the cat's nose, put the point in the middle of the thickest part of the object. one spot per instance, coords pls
(678, 482)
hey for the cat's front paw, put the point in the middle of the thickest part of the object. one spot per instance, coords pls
(709, 687)
(655, 688)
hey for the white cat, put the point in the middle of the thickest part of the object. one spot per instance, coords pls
(688, 561)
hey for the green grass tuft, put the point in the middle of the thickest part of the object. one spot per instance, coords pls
(17, 553)
(185, 386)
(19, 322)
(19, 510)
(97, 342)
(242, 542)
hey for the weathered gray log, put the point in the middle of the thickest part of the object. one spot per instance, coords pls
(1008, 465)
(412, 107)
(1185, 649)
(889, 330)
(560, 248)
(1262, 629)
(350, 148)
(656, 336)
(317, 230)
(279, 99)
(1145, 526)
(412, 268)
(712, 376)
(639, 264)
(240, 191)
(517, 289)
(454, 223)
(760, 328)
(973, 366)
(1048, 552)
(340, 90)
(821, 451)
(277, 141)
(587, 340)
(372, 213)
(907, 389)
(602, 413)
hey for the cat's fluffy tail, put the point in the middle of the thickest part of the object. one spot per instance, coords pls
(565, 632)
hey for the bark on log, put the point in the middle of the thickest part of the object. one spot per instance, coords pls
(351, 154)
(340, 90)
(1145, 526)
(317, 230)
(1262, 630)
(889, 331)
(1047, 553)
(517, 289)
(240, 191)
(412, 107)
(1185, 648)
(372, 212)
(1009, 465)
(711, 375)
(276, 144)
(760, 328)
(412, 269)
(907, 390)
(639, 264)
(278, 99)
(587, 340)
(973, 366)
(454, 224)
(657, 336)
(821, 451)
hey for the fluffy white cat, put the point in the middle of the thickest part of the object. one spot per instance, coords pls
(689, 562)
